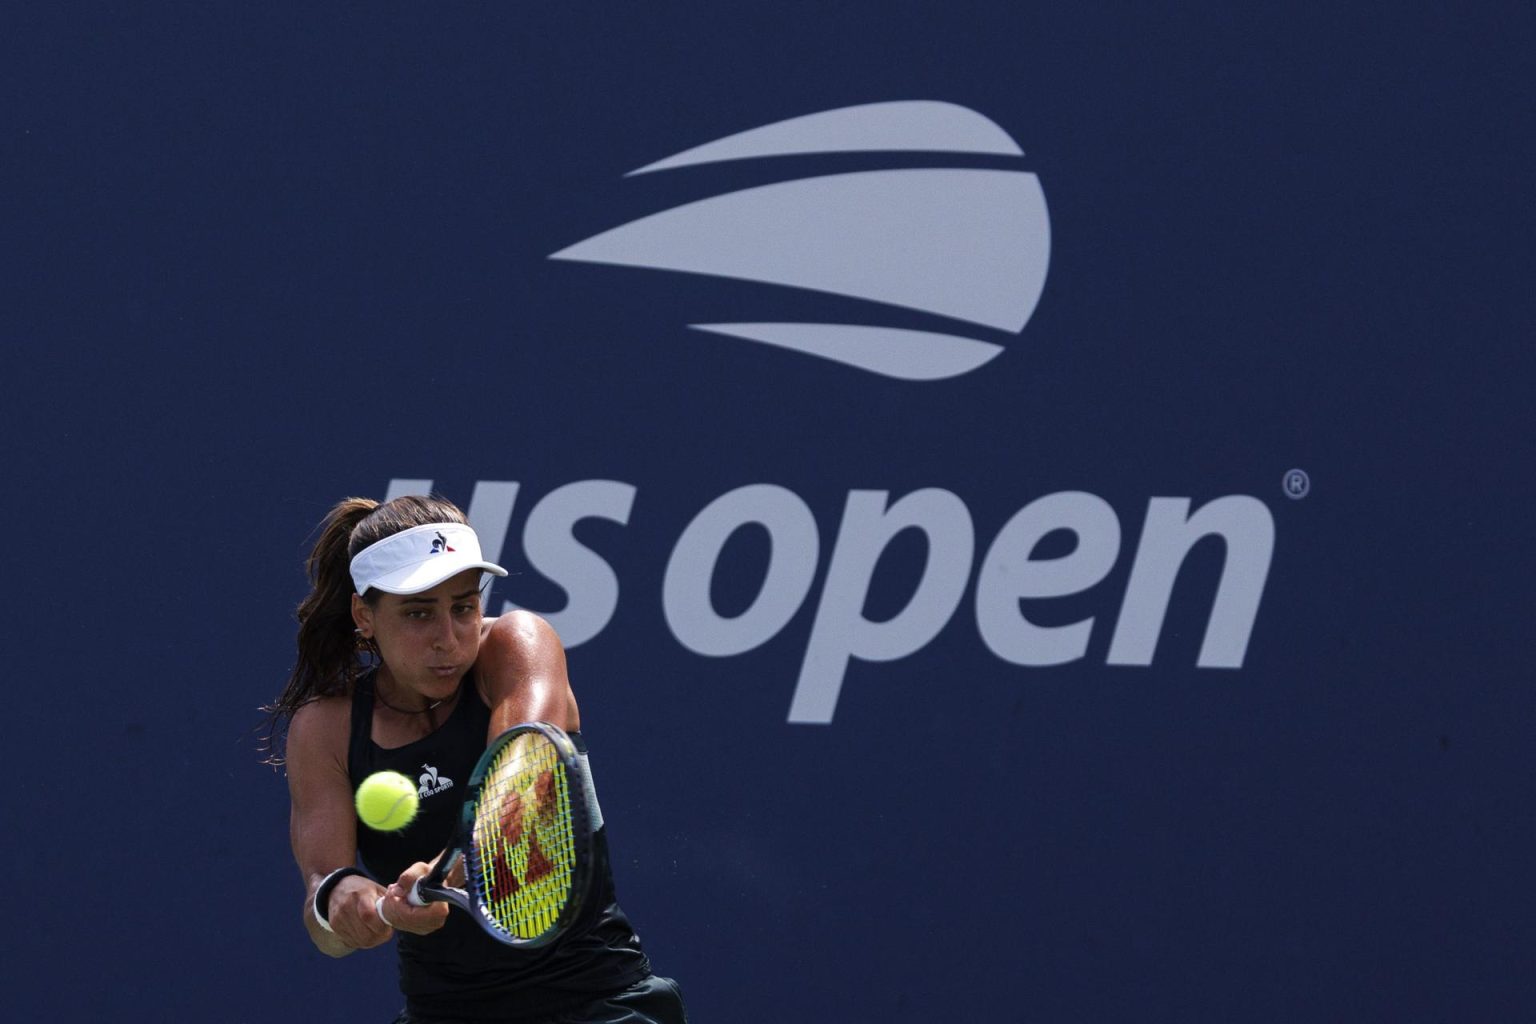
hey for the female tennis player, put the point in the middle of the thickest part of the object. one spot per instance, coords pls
(398, 670)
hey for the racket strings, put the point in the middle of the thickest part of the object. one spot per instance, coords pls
(523, 851)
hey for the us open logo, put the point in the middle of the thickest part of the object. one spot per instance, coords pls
(967, 245)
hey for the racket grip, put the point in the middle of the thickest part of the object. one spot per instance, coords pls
(414, 896)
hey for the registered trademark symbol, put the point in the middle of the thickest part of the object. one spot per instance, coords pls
(1296, 483)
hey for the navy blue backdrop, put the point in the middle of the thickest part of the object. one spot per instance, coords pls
(954, 633)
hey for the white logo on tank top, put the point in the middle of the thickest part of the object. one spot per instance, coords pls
(432, 783)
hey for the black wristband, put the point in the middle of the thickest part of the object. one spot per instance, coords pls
(322, 903)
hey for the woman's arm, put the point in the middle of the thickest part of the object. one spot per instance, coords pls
(323, 828)
(521, 668)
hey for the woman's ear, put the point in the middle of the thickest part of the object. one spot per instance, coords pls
(362, 616)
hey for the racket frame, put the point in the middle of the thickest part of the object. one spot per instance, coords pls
(434, 887)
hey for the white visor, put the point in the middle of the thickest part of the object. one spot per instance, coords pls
(419, 559)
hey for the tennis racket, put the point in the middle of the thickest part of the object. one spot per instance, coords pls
(523, 838)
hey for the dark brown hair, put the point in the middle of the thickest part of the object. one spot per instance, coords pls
(330, 651)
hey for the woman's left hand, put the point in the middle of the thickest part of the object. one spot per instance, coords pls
(399, 913)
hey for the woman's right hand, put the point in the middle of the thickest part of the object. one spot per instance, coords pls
(353, 915)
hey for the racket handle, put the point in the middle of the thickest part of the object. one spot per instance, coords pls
(414, 897)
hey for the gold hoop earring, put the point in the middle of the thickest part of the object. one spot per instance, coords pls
(367, 649)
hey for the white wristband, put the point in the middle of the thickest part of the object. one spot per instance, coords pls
(378, 907)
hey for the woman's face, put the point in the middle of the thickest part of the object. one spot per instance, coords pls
(427, 641)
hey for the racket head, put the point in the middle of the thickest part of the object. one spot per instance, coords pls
(527, 836)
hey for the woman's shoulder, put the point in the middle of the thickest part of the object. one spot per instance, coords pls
(520, 643)
(519, 630)
(323, 722)
(521, 672)
(318, 737)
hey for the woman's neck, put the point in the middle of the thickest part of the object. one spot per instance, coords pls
(403, 701)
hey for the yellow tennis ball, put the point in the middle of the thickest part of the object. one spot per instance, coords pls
(387, 801)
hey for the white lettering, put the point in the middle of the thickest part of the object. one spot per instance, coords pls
(1248, 529)
(399, 487)
(1009, 572)
(489, 515)
(592, 589)
(791, 568)
(841, 631)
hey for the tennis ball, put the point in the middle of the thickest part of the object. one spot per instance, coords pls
(386, 801)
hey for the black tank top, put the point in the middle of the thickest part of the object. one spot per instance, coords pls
(459, 971)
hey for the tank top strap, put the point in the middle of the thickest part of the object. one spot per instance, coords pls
(361, 734)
